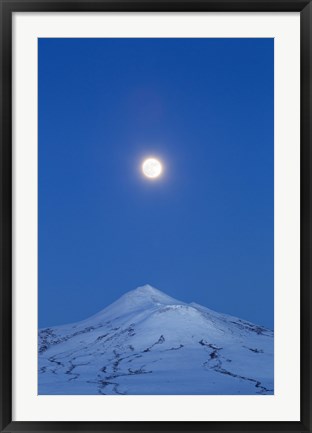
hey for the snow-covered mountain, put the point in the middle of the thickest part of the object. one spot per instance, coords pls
(149, 343)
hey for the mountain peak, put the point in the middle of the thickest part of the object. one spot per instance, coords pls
(142, 298)
(146, 288)
(148, 293)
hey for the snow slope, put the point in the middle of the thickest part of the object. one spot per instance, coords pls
(149, 343)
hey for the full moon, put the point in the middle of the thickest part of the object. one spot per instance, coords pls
(151, 168)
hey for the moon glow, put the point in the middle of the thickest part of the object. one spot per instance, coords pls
(152, 168)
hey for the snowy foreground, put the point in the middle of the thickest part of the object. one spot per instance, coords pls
(149, 343)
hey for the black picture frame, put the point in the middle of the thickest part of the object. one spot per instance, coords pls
(8, 7)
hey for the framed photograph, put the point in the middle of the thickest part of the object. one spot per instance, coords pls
(155, 216)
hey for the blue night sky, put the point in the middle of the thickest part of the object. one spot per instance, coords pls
(203, 231)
